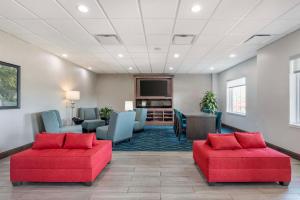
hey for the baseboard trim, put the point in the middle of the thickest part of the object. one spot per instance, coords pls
(273, 146)
(14, 150)
(285, 151)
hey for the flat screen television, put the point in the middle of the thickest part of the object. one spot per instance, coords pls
(154, 88)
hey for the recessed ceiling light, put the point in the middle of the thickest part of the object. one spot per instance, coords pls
(196, 8)
(130, 68)
(171, 68)
(120, 55)
(83, 8)
(64, 55)
(90, 68)
(211, 68)
(232, 55)
(176, 55)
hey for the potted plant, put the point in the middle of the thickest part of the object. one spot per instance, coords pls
(209, 103)
(105, 114)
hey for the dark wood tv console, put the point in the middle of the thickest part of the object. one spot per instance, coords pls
(160, 108)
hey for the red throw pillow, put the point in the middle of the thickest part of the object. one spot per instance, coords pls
(79, 141)
(49, 141)
(223, 142)
(94, 139)
(250, 140)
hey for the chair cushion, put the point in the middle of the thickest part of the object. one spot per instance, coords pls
(89, 113)
(71, 129)
(79, 141)
(61, 158)
(48, 141)
(250, 140)
(102, 132)
(223, 141)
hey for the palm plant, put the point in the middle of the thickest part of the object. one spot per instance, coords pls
(209, 103)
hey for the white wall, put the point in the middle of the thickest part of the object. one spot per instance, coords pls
(267, 93)
(113, 90)
(273, 93)
(44, 78)
(246, 69)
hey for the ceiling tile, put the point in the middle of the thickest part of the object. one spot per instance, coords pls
(189, 26)
(47, 9)
(13, 10)
(270, 9)
(71, 7)
(128, 26)
(281, 26)
(97, 26)
(133, 39)
(137, 49)
(293, 14)
(207, 9)
(121, 8)
(218, 27)
(159, 8)
(234, 9)
(158, 39)
(158, 26)
(249, 27)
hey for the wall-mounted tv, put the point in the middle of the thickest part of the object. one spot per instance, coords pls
(154, 88)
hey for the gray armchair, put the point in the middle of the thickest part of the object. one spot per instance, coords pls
(140, 119)
(91, 119)
(120, 127)
(53, 124)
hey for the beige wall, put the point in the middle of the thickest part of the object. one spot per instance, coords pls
(267, 93)
(114, 90)
(44, 78)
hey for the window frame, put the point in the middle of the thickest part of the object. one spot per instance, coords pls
(294, 94)
(229, 108)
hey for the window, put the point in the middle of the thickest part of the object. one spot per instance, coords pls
(236, 96)
(295, 91)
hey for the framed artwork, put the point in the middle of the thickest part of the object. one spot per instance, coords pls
(9, 86)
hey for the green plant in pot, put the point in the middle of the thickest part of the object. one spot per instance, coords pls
(209, 103)
(105, 114)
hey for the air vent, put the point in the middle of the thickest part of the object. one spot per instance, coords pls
(183, 39)
(259, 39)
(108, 39)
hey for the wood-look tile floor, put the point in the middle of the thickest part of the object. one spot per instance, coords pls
(151, 176)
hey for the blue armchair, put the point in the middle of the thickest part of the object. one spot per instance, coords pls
(218, 121)
(140, 119)
(91, 119)
(120, 127)
(53, 124)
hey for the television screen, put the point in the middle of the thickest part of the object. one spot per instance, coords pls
(154, 88)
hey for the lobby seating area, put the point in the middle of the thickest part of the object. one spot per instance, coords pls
(149, 100)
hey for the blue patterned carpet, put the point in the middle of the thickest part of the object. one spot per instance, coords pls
(157, 138)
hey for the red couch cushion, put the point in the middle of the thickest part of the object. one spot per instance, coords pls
(250, 140)
(61, 158)
(49, 141)
(79, 141)
(223, 141)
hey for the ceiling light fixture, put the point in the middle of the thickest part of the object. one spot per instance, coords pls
(176, 55)
(64, 55)
(211, 68)
(120, 55)
(196, 8)
(83, 8)
(130, 68)
(171, 68)
(232, 55)
(90, 68)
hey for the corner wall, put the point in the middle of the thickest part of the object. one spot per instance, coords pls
(44, 80)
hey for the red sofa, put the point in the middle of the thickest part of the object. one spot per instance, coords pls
(60, 165)
(242, 165)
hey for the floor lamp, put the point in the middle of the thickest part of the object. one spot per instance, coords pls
(73, 96)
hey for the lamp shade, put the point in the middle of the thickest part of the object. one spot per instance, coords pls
(128, 105)
(73, 95)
